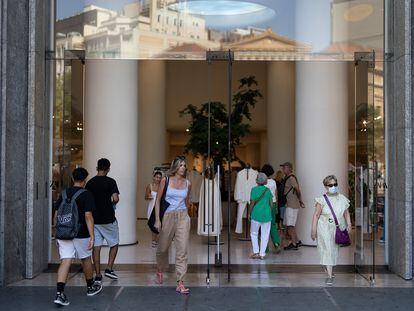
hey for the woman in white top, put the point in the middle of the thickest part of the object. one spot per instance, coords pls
(271, 184)
(323, 224)
(175, 222)
(150, 196)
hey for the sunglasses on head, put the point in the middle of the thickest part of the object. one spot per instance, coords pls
(181, 158)
(332, 185)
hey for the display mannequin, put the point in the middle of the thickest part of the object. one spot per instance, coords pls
(245, 181)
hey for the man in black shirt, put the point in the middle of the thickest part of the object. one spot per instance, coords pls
(81, 246)
(106, 194)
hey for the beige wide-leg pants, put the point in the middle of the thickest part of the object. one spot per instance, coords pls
(175, 225)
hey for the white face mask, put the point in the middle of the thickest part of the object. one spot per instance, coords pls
(333, 190)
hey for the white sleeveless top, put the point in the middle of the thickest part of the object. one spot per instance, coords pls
(176, 198)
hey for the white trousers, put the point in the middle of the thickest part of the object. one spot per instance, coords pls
(241, 213)
(264, 236)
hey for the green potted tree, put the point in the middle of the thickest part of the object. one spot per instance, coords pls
(245, 98)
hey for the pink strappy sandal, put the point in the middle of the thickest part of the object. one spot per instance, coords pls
(160, 278)
(181, 289)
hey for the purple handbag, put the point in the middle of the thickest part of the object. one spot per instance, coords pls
(341, 237)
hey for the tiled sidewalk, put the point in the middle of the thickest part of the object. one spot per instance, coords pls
(213, 298)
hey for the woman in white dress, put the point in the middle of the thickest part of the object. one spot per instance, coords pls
(323, 224)
(150, 195)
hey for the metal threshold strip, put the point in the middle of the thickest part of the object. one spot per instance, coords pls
(235, 268)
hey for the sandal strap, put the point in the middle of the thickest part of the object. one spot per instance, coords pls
(159, 277)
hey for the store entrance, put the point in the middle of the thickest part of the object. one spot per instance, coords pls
(280, 126)
(361, 138)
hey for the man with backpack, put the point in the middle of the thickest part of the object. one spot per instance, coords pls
(75, 234)
(106, 194)
(292, 200)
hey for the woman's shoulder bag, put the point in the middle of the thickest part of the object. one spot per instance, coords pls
(163, 207)
(341, 237)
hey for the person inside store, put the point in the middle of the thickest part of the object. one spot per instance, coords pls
(331, 210)
(173, 222)
(292, 197)
(281, 207)
(261, 205)
(268, 170)
(150, 196)
(279, 182)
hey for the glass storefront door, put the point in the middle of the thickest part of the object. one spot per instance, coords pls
(218, 158)
(369, 163)
(67, 118)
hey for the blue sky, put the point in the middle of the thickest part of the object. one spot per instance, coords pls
(303, 20)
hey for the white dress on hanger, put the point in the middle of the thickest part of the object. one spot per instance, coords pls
(245, 181)
(196, 179)
(209, 210)
(151, 203)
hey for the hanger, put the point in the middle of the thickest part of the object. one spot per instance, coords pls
(247, 168)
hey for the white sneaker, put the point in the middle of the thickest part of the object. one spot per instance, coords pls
(329, 281)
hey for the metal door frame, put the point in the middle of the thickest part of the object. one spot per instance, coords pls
(367, 58)
(227, 56)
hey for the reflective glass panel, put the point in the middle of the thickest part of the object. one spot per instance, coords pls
(254, 29)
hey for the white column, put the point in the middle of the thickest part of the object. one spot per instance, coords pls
(111, 131)
(280, 113)
(152, 125)
(321, 133)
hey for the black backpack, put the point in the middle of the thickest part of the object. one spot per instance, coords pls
(283, 195)
(67, 222)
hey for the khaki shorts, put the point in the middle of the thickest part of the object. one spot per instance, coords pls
(290, 217)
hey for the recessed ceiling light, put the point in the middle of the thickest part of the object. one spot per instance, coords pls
(358, 12)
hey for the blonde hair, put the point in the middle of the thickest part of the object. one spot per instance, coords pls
(279, 176)
(175, 165)
(328, 178)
